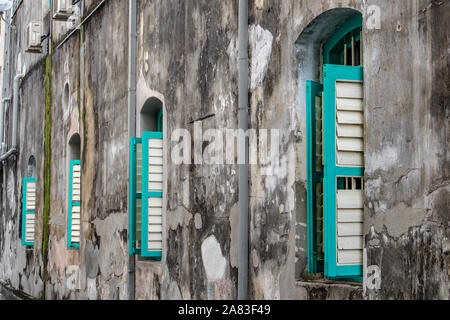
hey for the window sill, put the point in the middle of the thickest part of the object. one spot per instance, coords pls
(324, 289)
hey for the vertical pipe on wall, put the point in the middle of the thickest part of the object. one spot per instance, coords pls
(243, 150)
(132, 46)
(15, 145)
(17, 80)
(5, 80)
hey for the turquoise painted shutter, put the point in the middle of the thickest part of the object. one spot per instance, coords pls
(152, 194)
(344, 170)
(74, 219)
(135, 195)
(28, 211)
(314, 176)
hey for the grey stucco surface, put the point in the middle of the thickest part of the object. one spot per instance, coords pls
(187, 58)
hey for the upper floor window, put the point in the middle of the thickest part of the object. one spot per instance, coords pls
(335, 157)
(29, 204)
(146, 183)
(344, 47)
(74, 201)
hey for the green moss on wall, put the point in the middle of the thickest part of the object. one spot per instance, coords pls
(47, 161)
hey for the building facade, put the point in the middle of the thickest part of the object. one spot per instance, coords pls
(112, 181)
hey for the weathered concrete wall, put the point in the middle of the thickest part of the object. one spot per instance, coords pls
(278, 198)
(187, 58)
(101, 121)
(407, 160)
(21, 267)
(405, 138)
(100, 264)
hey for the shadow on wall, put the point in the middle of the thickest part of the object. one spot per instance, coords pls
(75, 147)
(150, 115)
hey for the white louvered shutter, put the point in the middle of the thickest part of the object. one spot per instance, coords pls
(29, 211)
(75, 203)
(350, 152)
(344, 170)
(152, 194)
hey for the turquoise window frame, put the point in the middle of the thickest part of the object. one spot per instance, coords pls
(25, 211)
(145, 252)
(134, 195)
(331, 73)
(350, 25)
(71, 244)
(313, 90)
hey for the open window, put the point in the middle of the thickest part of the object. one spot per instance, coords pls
(29, 204)
(335, 157)
(74, 201)
(146, 183)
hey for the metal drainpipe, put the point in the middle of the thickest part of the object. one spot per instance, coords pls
(243, 149)
(5, 80)
(132, 46)
(2, 143)
(15, 145)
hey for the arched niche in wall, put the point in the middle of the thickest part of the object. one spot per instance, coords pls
(309, 56)
(74, 150)
(309, 46)
(150, 116)
(31, 167)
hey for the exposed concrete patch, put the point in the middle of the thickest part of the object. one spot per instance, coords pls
(213, 260)
(113, 255)
(148, 274)
(198, 221)
(178, 217)
(92, 288)
(233, 55)
(255, 259)
(10, 191)
(260, 47)
(397, 220)
(266, 285)
(420, 253)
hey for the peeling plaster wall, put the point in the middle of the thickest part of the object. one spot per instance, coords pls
(21, 267)
(407, 160)
(187, 58)
(99, 267)
(406, 94)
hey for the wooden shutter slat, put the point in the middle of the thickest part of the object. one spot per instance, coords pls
(346, 104)
(156, 160)
(350, 215)
(350, 243)
(350, 131)
(349, 89)
(350, 256)
(350, 229)
(155, 143)
(154, 202)
(350, 199)
(350, 117)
